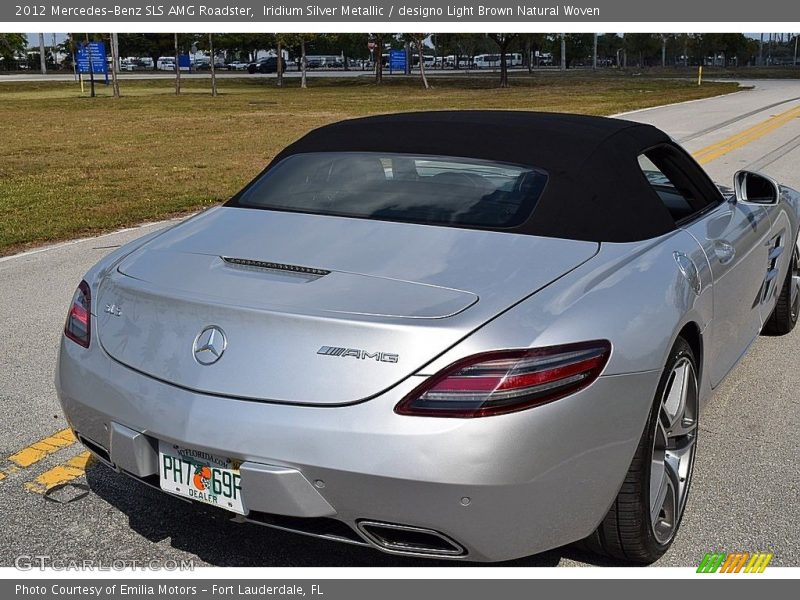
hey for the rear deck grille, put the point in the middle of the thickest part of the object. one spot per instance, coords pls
(273, 266)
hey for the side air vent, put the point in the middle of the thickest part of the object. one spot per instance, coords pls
(96, 449)
(261, 265)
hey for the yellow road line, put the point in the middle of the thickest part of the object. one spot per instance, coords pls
(39, 450)
(2, 476)
(72, 469)
(746, 136)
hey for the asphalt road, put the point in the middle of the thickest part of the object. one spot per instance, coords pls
(746, 486)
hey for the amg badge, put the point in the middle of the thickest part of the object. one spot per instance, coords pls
(356, 353)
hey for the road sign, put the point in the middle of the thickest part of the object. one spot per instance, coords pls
(97, 52)
(397, 60)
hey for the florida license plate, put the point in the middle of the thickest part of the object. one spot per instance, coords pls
(200, 476)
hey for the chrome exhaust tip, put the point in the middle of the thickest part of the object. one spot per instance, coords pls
(409, 540)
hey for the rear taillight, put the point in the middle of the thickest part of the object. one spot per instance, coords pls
(496, 383)
(79, 319)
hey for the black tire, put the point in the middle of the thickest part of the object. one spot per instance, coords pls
(784, 316)
(251, 69)
(627, 531)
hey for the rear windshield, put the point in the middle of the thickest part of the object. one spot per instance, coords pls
(441, 190)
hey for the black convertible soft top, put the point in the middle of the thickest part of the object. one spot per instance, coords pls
(595, 191)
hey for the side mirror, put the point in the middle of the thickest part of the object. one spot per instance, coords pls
(755, 188)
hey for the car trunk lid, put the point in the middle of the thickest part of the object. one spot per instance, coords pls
(314, 310)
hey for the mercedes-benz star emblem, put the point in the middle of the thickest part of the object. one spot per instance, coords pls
(209, 345)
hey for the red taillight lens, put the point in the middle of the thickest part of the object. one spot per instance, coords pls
(79, 319)
(496, 383)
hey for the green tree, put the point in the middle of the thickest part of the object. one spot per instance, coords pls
(463, 46)
(645, 46)
(532, 43)
(503, 41)
(12, 45)
(378, 53)
(418, 41)
(301, 40)
(579, 47)
(608, 44)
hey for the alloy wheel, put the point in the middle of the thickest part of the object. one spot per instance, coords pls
(794, 303)
(673, 450)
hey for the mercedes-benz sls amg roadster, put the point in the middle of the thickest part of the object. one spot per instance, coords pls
(472, 335)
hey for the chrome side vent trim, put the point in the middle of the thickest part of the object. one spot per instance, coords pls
(247, 263)
(776, 248)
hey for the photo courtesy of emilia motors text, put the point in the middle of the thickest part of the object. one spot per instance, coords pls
(348, 300)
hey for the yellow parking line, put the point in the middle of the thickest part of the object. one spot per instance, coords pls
(746, 136)
(72, 469)
(2, 476)
(39, 450)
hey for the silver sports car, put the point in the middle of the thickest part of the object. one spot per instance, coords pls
(473, 335)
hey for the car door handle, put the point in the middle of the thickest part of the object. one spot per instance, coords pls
(724, 251)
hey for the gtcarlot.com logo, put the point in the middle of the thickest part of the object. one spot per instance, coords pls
(736, 562)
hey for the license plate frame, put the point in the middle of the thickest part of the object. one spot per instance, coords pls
(200, 476)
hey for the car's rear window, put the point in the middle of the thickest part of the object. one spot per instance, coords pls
(441, 190)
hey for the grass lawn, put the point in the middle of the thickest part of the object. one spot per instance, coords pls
(72, 165)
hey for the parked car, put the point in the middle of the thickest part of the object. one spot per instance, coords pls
(237, 66)
(165, 63)
(266, 65)
(466, 335)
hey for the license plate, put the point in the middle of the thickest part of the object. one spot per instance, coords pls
(200, 476)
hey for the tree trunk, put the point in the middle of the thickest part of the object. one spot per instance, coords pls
(91, 68)
(503, 67)
(528, 56)
(43, 55)
(177, 69)
(114, 66)
(379, 60)
(303, 63)
(420, 44)
(279, 66)
(213, 71)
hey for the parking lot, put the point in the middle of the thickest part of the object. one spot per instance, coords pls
(746, 484)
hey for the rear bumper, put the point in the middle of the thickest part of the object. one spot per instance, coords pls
(499, 487)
